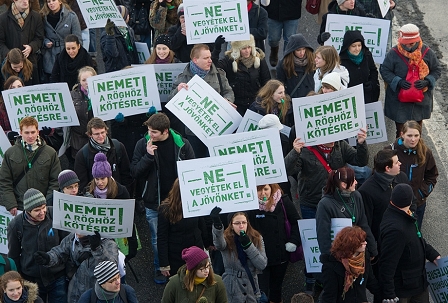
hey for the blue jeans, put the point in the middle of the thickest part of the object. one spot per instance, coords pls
(420, 213)
(308, 212)
(289, 28)
(151, 217)
(56, 292)
(92, 37)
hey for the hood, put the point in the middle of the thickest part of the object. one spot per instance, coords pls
(295, 42)
(349, 38)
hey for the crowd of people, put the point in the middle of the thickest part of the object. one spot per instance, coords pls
(236, 257)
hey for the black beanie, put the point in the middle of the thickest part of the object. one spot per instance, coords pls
(402, 195)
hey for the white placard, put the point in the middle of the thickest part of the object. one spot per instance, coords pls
(250, 123)
(5, 218)
(438, 280)
(96, 13)
(376, 126)
(375, 32)
(329, 117)
(308, 234)
(166, 75)
(142, 51)
(4, 145)
(50, 104)
(384, 6)
(205, 20)
(264, 145)
(128, 91)
(226, 181)
(205, 112)
(112, 218)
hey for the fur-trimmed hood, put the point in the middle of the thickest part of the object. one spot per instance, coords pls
(33, 293)
(237, 46)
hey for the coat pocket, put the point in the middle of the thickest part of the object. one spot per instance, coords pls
(412, 278)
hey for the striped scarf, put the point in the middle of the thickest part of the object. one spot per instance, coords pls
(18, 15)
(354, 267)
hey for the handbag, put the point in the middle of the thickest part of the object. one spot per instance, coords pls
(412, 94)
(139, 20)
(296, 255)
(312, 6)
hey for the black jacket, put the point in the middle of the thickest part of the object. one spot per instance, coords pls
(256, 107)
(258, 24)
(115, 52)
(283, 10)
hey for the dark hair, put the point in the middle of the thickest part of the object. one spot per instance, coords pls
(274, 188)
(229, 234)
(383, 159)
(173, 202)
(191, 274)
(112, 188)
(159, 121)
(97, 123)
(11, 80)
(421, 147)
(343, 174)
(72, 38)
(196, 50)
(347, 241)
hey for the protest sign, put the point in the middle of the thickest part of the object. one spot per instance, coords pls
(205, 20)
(96, 13)
(166, 75)
(112, 218)
(308, 234)
(50, 104)
(376, 126)
(329, 117)
(5, 217)
(384, 6)
(205, 112)
(438, 280)
(268, 159)
(226, 181)
(4, 144)
(375, 32)
(250, 123)
(142, 51)
(128, 91)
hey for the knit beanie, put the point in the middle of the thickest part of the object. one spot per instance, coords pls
(340, 2)
(193, 256)
(402, 195)
(333, 79)
(163, 39)
(180, 10)
(270, 121)
(32, 199)
(237, 46)
(105, 271)
(409, 33)
(66, 178)
(123, 11)
(101, 168)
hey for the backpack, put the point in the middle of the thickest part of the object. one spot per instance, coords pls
(117, 145)
(122, 294)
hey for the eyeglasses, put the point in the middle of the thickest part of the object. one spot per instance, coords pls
(114, 279)
(240, 223)
(205, 268)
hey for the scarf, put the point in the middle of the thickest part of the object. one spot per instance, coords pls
(34, 146)
(197, 280)
(103, 294)
(163, 61)
(354, 267)
(276, 197)
(357, 59)
(242, 256)
(100, 193)
(248, 62)
(101, 147)
(249, 6)
(415, 57)
(20, 17)
(127, 37)
(69, 67)
(30, 219)
(23, 297)
(195, 70)
(300, 62)
(86, 96)
(326, 150)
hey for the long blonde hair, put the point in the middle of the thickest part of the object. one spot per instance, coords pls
(46, 10)
(331, 58)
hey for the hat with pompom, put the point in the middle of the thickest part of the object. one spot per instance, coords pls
(237, 46)
(101, 168)
(409, 33)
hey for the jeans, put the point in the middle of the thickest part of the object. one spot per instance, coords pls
(289, 28)
(56, 292)
(92, 36)
(151, 217)
(85, 38)
(420, 213)
(308, 212)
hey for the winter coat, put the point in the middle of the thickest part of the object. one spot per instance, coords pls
(173, 238)
(312, 175)
(238, 285)
(376, 192)
(331, 206)
(65, 69)
(283, 10)
(421, 178)
(246, 82)
(343, 73)
(24, 239)
(179, 44)
(296, 42)
(42, 176)
(145, 167)
(366, 72)
(373, 8)
(271, 225)
(392, 71)
(130, 296)
(161, 18)
(115, 52)
(14, 36)
(70, 250)
(258, 24)
(403, 255)
(333, 8)
(31, 291)
(175, 291)
(256, 107)
(78, 137)
(67, 24)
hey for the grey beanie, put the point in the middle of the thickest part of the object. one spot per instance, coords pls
(32, 199)
(340, 2)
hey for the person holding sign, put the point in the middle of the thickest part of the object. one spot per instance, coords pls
(16, 64)
(16, 289)
(10, 83)
(327, 61)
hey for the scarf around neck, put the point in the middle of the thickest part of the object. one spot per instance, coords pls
(300, 62)
(326, 150)
(86, 97)
(105, 147)
(20, 17)
(23, 297)
(34, 146)
(195, 70)
(354, 267)
(248, 62)
(357, 59)
(100, 193)
(415, 57)
(276, 197)
(103, 294)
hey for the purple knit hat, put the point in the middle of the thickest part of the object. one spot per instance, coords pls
(193, 256)
(101, 168)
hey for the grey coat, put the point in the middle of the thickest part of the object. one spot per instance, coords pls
(238, 286)
(68, 24)
(392, 71)
(83, 279)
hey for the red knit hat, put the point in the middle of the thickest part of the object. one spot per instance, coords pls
(409, 33)
(193, 256)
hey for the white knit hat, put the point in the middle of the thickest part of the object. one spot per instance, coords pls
(270, 121)
(333, 79)
(237, 46)
(409, 33)
(340, 2)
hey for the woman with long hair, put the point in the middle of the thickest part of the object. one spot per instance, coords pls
(272, 99)
(162, 52)
(16, 289)
(327, 60)
(243, 255)
(10, 83)
(15, 64)
(418, 163)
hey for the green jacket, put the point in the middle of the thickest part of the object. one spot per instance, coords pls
(12, 264)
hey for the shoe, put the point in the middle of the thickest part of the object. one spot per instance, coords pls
(273, 56)
(159, 278)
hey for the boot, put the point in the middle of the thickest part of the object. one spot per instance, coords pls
(273, 57)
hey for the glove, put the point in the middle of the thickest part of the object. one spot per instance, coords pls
(46, 131)
(133, 246)
(151, 111)
(290, 247)
(219, 42)
(367, 86)
(110, 27)
(214, 214)
(41, 258)
(421, 84)
(84, 256)
(404, 84)
(95, 241)
(119, 118)
(325, 36)
(244, 240)
(12, 135)
(394, 300)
